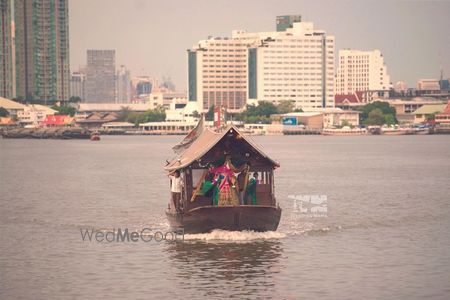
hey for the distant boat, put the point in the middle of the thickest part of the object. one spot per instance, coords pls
(95, 136)
(218, 192)
(344, 131)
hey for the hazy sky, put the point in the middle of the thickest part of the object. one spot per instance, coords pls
(151, 37)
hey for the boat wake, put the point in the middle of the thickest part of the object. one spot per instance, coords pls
(234, 236)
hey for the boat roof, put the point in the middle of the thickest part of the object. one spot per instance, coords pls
(205, 142)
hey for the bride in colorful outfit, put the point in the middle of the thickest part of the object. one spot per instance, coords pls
(226, 192)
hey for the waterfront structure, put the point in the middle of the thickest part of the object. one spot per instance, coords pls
(444, 117)
(6, 50)
(296, 64)
(423, 113)
(172, 127)
(77, 85)
(181, 110)
(7, 122)
(42, 49)
(123, 85)
(94, 119)
(362, 71)
(336, 117)
(112, 107)
(34, 114)
(100, 85)
(348, 101)
(311, 120)
(57, 121)
(12, 107)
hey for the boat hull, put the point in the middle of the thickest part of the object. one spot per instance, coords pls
(234, 218)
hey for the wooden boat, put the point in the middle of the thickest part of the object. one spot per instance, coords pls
(200, 155)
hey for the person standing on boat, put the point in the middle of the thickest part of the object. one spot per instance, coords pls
(176, 184)
(251, 189)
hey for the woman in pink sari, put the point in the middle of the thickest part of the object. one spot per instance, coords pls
(226, 181)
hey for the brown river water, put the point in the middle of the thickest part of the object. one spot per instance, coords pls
(385, 233)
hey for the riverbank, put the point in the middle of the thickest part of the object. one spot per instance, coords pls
(47, 133)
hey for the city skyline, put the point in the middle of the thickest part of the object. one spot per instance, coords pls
(148, 43)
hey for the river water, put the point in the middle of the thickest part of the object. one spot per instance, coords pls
(385, 234)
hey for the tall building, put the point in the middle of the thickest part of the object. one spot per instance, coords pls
(361, 71)
(217, 71)
(100, 85)
(77, 85)
(42, 49)
(296, 64)
(6, 47)
(123, 85)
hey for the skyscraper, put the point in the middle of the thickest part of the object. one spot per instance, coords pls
(123, 85)
(6, 62)
(100, 85)
(42, 49)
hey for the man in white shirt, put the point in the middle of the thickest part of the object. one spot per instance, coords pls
(176, 185)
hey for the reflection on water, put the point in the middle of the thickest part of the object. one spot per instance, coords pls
(226, 268)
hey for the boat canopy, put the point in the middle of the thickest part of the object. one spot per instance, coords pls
(203, 141)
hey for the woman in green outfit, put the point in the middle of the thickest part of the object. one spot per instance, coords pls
(251, 189)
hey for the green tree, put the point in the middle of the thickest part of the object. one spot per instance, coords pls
(285, 107)
(152, 115)
(431, 117)
(3, 112)
(74, 99)
(376, 117)
(123, 113)
(385, 108)
(389, 119)
(210, 114)
(64, 110)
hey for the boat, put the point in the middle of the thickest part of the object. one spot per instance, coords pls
(215, 167)
(95, 136)
(344, 131)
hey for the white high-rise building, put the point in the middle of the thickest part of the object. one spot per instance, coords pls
(218, 73)
(361, 71)
(296, 64)
(292, 65)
